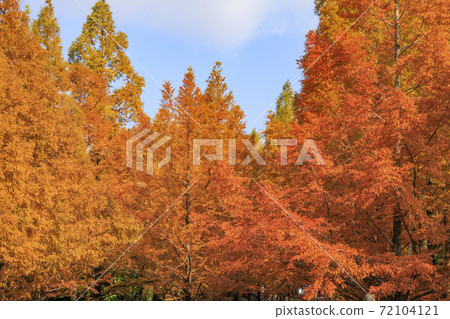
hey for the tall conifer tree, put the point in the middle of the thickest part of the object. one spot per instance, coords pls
(46, 29)
(103, 49)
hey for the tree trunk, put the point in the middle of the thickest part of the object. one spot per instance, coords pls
(397, 217)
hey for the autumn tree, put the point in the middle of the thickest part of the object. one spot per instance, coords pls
(172, 259)
(103, 49)
(224, 115)
(54, 232)
(212, 114)
(377, 207)
(366, 105)
(46, 29)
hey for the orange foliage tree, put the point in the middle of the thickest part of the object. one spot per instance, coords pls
(376, 105)
(172, 258)
(53, 232)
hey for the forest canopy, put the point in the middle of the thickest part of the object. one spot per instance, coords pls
(77, 223)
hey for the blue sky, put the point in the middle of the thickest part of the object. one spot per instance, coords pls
(258, 42)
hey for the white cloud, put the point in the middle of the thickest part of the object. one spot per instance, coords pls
(224, 22)
(227, 23)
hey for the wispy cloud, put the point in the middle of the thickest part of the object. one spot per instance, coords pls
(223, 22)
(228, 23)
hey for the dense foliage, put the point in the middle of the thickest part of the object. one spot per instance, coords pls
(373, 220)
